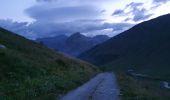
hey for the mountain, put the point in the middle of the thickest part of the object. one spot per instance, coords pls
(74, 44)
(78, 43)
(30, 71)
(54, 42)
(145, 47)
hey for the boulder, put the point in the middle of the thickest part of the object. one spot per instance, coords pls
(2, 46)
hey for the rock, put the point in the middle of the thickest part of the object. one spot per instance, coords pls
(166, 85)
(2, 46)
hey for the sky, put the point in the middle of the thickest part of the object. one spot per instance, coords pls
(47, 18)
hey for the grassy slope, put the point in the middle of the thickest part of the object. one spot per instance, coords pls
(145, 48)
(141, 89)
(29, 71)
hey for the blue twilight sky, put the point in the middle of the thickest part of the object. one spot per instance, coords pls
(46, 18)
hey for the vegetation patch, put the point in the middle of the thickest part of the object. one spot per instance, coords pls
(141, 89)
(30, 71)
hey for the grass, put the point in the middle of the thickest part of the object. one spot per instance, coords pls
(140, 89)
(137, 88)
(30, 71)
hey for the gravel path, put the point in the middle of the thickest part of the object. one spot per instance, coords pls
(101, 87)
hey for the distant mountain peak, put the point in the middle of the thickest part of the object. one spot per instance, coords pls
(77, 35)
(74, 44)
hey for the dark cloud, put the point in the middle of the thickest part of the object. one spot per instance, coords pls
(63, 13)
(141, 17)
(118, 12)
(134, 5)
(140, 14)
(127, 19)
(160, 1)
(136, 10)
(103, 11)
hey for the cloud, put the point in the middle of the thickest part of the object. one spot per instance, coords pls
(65, 10)
(137, 12)
(45, 0)
(141, 17)
(53, 20)
(134, 5)
(41, 29)
(21, 28)
(117, 26)
(63, 13)
(110, 29)
(160, 1)
(140, 14)
(127, 19)
(118, 12)
(83, 26)
(67, 17)
(45, 29)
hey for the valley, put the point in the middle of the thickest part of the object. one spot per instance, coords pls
(85, 50)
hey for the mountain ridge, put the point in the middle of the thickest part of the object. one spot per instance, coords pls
(143, 47)
(74, 44)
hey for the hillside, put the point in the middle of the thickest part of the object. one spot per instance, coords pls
(54, 42)
(74, 44)
(30, 71)
(144, 48)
